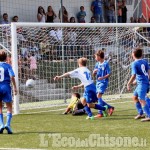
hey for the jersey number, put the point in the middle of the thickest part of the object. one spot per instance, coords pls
(1, 74)
(143, 70)
(88, 75)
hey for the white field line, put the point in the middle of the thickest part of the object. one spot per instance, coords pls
(65, 108)
(19, 149)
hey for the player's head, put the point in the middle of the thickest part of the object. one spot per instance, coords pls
(82, 62)
(76, 95)
(99, 55)
(137, 53)
(3, 55)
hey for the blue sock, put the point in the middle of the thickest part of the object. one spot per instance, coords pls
(9, 116)
(1, 119)
(147, 101)
(100, 102)
(146, 110)
(88, 110)
(103, 103)
(99, 107)
(139, 108)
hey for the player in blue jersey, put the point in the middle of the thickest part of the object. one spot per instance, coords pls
(139, 70)
(6, 76)
(102, 73)
(89, 96)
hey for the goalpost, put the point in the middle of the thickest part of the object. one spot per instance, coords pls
(57, 48)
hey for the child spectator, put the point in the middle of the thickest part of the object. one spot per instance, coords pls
(33, 65)
(72, 20)
(75, 107)
(5, 19)
(92, 20)
(50, 15)
(81, 15)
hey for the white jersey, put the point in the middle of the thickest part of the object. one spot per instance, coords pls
(83, 74)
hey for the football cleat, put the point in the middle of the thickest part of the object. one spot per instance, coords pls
(9, 130)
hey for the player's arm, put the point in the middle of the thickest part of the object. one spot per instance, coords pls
(61, 76)
(77, 86)
(104, 77)
(131, 81)
(14, 85)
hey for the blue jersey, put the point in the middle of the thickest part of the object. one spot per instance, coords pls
(97, 4)
(103, 70)
(140, 69)
(6, 73)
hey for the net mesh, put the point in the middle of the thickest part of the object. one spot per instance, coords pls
(56, 51)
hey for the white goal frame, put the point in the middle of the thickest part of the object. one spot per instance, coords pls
(61, 25)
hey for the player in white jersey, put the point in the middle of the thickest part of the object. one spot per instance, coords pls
(89, 96)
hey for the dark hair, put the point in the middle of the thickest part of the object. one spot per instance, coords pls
(3, 55)
(77, 95)
(138, 52)
(100, 53)
(72, 19)
(82, 7)
(40, 7)
(5, 14)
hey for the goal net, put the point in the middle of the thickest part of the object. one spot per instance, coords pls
(56, 48)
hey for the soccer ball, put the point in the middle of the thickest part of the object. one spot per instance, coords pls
(30, 83)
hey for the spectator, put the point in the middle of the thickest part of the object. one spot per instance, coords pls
(110, 11)
(55, 35)
(124, 12)
(41, 16)
(64, 18)
(33, 65)
(19, 29)
(131, 20)
(15, 19)
(5, 19)
(97, 9)
(119, 8)
(92, 20)
(72, 20)
(81, 15)
(50, 15)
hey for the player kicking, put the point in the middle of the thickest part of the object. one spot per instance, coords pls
(102, 73)
(89, 96)
(6, 76)
(140, 73)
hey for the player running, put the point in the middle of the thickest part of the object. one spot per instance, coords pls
(139, 70)
(102, 73)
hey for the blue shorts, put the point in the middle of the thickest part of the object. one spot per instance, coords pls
(101, 87)
(90, 93)
(5, 93)
(141, 91)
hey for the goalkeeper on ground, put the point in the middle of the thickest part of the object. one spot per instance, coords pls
(75, 107)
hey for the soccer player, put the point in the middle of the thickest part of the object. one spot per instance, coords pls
(102, 73)
(139, 70)
(6, 76)
(75, 107)
(89, 96)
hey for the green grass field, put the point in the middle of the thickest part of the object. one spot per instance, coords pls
(39, 129)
